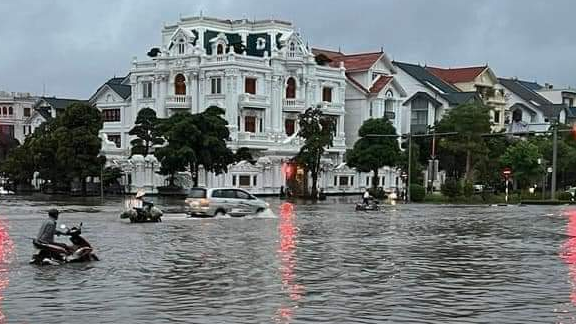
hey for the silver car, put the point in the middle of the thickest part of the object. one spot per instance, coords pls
(220, 201)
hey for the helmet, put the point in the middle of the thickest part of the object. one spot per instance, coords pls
(53, 213)
(140, 194)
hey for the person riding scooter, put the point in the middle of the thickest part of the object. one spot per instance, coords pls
(48, 229)
(144, 206)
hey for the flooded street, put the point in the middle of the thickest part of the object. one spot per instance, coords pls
(303, 263)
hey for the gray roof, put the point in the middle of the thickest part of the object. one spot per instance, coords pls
(60, 103)
(531, 85)
(44, 112)
(116, 84)
(553, 110)
(458, 98)
(524, 92)
(571, 112)
(425, 95)
(421, 74)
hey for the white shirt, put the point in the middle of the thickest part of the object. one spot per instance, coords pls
(366, 195)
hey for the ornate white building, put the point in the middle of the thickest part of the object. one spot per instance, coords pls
(261, 72)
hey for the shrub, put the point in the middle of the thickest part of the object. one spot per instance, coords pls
(377, 193)
(468, 189)
(417, 193)
(565, 196)
(451, 188)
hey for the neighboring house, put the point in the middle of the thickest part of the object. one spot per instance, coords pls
(113, 100)
(527, 109)
(15, 109)
(429, 97)
(479, 79)
(372, 90)
(566, 96)
(46, 108)
(261, 73)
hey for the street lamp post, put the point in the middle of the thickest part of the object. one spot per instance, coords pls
(554, 162)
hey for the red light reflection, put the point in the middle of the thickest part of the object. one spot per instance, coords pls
(568, 253)
(288, 170)
(6, 248)
(288, 235)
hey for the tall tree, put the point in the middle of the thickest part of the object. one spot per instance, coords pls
(7, 143)
(78, 143)
(196, 141)
(470, 121)
(522, 157)
(317, 130)
(146, 132)
(373, 153)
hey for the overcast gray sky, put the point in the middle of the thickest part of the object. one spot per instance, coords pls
(74, 46)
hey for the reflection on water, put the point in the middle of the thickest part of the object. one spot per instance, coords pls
(568, 252)
(288, 235)
(6, 247)
(312, 263)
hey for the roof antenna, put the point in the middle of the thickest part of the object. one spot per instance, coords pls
(43, 89)
(201, 14)
(339, 49)
(381, 49)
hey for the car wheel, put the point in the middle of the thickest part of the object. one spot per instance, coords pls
(259, 210)
(220, 213)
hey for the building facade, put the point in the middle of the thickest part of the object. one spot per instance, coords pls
(263, 75)
(15, 109)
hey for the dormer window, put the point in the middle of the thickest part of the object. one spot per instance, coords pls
(181, 46)
(291, 88)
(292, 50)
(220, 49)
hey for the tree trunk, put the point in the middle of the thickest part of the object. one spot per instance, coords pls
(83, 185)
(194, 170)
(171, 180)
(375, 179)
(468, 174)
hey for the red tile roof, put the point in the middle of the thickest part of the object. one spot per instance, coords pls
(457, 75)
(352, 62)
(380, 83)
(357, 62)
(376, 87)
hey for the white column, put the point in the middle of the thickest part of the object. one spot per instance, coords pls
(194, 92)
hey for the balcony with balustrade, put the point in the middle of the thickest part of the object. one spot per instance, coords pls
(178, 102)
(293, 104)
(253, 100)
(334, 108)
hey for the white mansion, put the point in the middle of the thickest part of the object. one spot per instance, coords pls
(262, 73)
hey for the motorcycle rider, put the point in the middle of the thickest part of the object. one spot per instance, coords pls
(366, 197)
(48, 229)
(144, 206)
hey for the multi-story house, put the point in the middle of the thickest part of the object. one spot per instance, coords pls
(372, 91)
(15, 109)
(558, 96)
(428, 96)
(479, 79)
(261, 73)
(528, 109)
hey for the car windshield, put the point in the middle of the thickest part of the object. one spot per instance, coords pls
(197, 193)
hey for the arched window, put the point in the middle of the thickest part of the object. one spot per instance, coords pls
(180, 85)
(291, 88)
(4, 111)
(220, 49)
(292, 47)
(10, 110)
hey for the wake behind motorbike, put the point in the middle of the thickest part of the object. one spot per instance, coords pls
(55, 254)
(372, 205)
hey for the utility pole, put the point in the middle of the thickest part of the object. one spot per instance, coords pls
(554, 158)
(409, 167)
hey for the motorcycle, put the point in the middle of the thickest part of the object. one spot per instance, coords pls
(53, 254)
(137, 214)
(371, 206)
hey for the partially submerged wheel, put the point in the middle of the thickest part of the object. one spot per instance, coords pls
(220, 213)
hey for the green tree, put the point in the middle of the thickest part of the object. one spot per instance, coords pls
(78, 143)
(7, 144)
(18, 166)
(372, 153)
(522, 157)
(195, 141)
(470, 121)
(317, 130)
(146, 132)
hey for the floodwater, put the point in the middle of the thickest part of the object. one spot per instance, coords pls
(303, 263)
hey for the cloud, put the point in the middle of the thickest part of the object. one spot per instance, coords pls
(74, 46)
